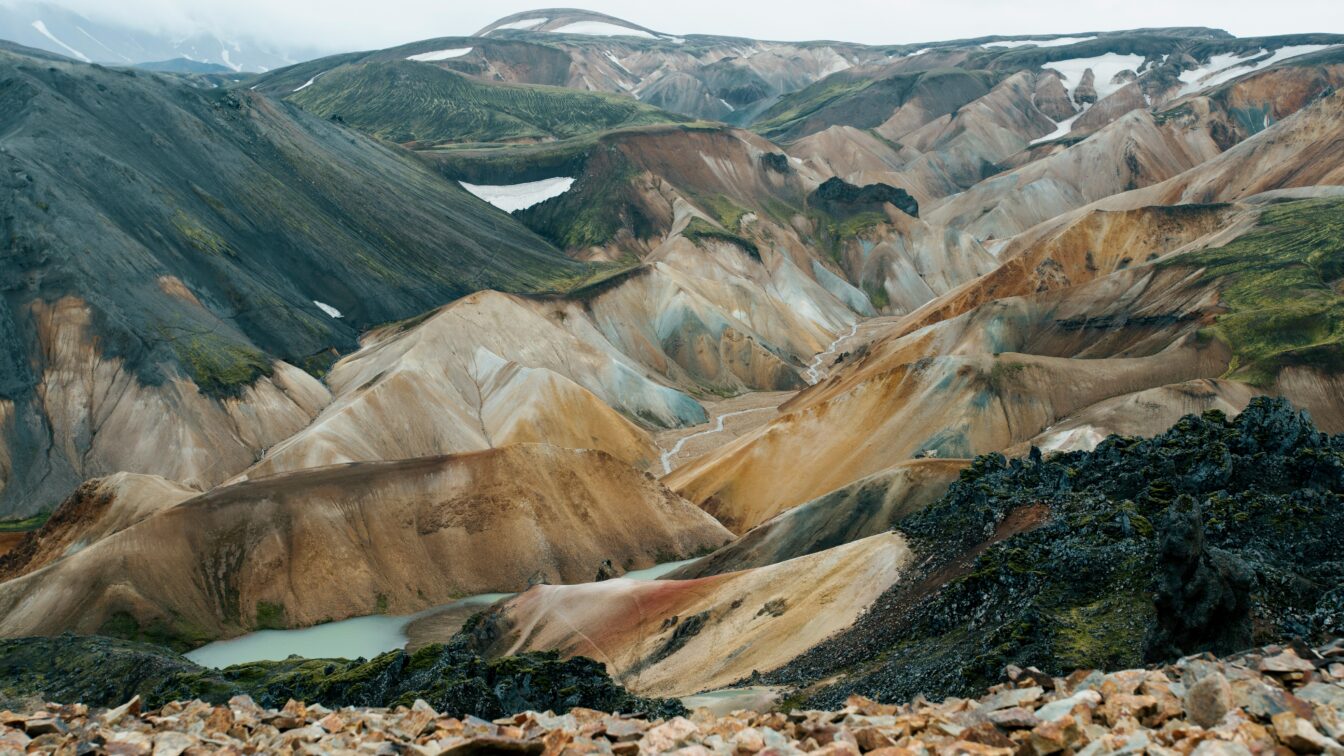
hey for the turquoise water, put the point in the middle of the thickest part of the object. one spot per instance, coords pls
(347, 639)
(656, 571)
(353, 638)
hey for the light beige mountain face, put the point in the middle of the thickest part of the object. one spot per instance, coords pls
(486, 371)
(1142, 413)
(982, 381)
(1082, 247)
(294, 550)
(678, 637)
(107, 420)
(1136, 150)
(1298, 152)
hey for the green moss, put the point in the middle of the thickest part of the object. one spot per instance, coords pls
(220, 367)
(834, 233)
(408, 102)
(1214, 536)
(729, 214)
(700, 230)
(595, 210)
(201, 239)
(177, 634)
(318, 365)
(779, 118)
(1280, 285)
(857, 225)
(270, 616)
(26, 524)
(1004, 376)
(101, 671)
(1108, 633)
(877, 294)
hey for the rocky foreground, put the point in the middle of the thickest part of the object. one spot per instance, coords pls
(1277, 700)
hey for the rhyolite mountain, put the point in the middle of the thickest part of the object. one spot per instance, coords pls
(241, 231)
(1038, 336)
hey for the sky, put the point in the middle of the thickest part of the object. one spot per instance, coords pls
(334, 25)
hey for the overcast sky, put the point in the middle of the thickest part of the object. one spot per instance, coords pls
(364, 24)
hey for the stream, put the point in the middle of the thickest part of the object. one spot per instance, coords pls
(813, 372)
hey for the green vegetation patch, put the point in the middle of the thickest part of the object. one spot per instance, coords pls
(102, 671)
(1281, 286)
(597, 209)
(270, 616)
(728, 213)
(699, 230)
(834, 233)
(220, 367)
(26, 524)
(176, 634)
(409, 102)
(200, 238)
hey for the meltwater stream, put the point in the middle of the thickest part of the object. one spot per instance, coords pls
(353, 638)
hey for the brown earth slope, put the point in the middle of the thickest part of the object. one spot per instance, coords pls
(677, 637)
(318, 545)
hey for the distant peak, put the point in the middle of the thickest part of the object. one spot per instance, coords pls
(570, 21)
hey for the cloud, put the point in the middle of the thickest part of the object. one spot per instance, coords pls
(364, 24)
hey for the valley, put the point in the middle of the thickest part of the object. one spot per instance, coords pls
(576, 364)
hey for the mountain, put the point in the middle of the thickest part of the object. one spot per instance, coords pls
(245, 233)
(263, 547)
(50, 27)
(898, 365)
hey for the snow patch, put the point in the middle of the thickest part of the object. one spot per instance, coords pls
(224, 56)
(1104, 67)
(328, 309)
(306, 84)
(602, 29)
(98, 42)
(42, 29)
(1228, 66)
(514, 197)
(1062, 129)
(618, 63)
(1060, 42)
(527, 23)
(727, 105)
(440, 55)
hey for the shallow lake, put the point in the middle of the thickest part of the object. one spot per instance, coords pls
(353, 638)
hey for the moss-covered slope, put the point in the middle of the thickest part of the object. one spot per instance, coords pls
(201, 227)
(1210, 537)
(1281, 287)
(107, 672)
(404, 101)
